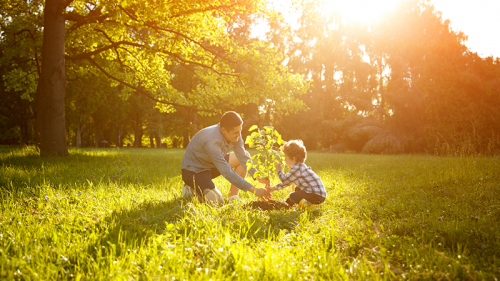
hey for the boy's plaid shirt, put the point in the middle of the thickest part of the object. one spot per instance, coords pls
(304, 178)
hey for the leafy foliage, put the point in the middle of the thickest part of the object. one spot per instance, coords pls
(267, 142)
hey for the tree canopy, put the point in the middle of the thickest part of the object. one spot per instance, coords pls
(88, 70)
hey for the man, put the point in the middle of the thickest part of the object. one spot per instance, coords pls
(207, 157)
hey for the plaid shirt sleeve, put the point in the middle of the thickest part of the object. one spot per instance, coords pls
(289, 178)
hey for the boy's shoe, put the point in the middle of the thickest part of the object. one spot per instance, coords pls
(234, 197)
(306, 205)
(187, 193)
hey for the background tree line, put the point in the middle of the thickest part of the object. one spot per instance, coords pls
(404, 84)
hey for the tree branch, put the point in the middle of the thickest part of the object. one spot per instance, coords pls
(175, 56)
(93, 16)
(146, 94)
(37, 60)
(152, 25)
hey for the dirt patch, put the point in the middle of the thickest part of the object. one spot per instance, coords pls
(267, 205)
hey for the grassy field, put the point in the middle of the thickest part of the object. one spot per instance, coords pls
(117, 215)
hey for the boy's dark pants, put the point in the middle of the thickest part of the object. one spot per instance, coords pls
(298, 195)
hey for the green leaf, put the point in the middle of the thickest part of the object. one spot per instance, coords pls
(253, 128)
(249, 141)
(280, 140)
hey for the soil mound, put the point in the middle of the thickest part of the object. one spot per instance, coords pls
(267, 205)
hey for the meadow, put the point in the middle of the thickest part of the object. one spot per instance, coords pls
(116, 214)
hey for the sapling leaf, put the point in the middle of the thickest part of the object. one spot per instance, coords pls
(253, 128)
(268, 142)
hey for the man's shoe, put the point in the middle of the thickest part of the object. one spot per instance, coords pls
(187, 193)
(234, 197)
(213, 195)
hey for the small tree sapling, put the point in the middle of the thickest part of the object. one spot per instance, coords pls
(268, 142)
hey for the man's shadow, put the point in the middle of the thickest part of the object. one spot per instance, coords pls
(134, 227)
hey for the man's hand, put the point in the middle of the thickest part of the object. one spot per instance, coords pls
(261, 193)
(271, 188)
(277, 165)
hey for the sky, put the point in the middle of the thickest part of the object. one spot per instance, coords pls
(478, 19)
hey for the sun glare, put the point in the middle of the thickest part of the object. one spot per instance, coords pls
(360, 10)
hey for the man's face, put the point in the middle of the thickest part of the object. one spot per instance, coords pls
(233, 135)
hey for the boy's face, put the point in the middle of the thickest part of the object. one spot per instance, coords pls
(233, 135)
(290, 161)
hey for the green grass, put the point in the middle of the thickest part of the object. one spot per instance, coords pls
(117, 215)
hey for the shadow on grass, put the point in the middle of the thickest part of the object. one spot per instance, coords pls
(133, 228)
(178, 218)
(83, 168)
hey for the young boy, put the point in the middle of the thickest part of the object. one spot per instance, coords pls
(309, 189)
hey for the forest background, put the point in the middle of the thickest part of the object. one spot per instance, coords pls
(151, 74)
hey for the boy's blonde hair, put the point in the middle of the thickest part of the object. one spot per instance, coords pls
(295, 149)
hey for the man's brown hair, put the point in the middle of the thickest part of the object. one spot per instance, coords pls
(230, 120)
(295, 149)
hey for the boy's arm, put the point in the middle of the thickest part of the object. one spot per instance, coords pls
(288, 179)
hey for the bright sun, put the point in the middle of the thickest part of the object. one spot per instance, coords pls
(360, 10)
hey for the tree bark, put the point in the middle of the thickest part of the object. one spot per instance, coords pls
(195, 122)
(78, 142)
(24, 137)
(138, 134)
(158, 140)
(118, 139)
(50, 97)
(97, 138)
(158, 136)
(151, 137)
(185, 141)
(87, 135)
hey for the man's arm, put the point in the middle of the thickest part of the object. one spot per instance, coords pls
(239, 152)
(215, 153)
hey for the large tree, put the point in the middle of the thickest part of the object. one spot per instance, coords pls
(132, 41)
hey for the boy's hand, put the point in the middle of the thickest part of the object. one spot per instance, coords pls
(262, 193)
(267, 182)
(277, 166)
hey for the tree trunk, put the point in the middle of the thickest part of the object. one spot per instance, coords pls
(185, 141)
(158, 136)
(24, 137)
(118, 135)
(381, 109)
(68, 136)
(50, 97)
(138, 134)
(87, 135)
(151, 137)
(97, 138)
(97, 127)
(78, 141)
(158, 140)
(195, 122)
